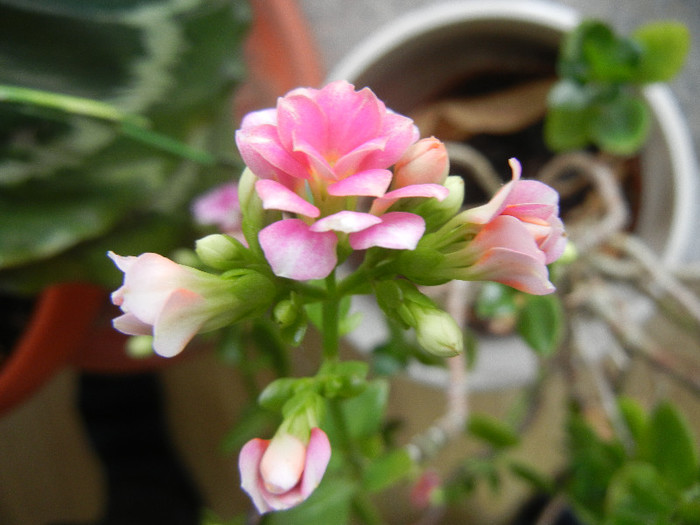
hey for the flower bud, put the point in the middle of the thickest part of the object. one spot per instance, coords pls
(425, 162)
(436, 212)
(282, 463)
(437, 332)
(221, 251)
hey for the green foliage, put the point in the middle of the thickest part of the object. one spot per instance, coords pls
(539, 319)
(492, 431)
(77, 167)
(597, 101)
(652, 478)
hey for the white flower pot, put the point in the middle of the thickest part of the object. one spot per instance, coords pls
(416, 55)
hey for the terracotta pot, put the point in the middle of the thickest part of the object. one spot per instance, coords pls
(426, 52)
(280, 55)
(71, 324)
(58, 327)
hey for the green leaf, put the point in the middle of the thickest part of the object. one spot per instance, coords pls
(638, 494)
(670, 446)
(665, 46)
(593, 462)
(536, 479)
(634, 416)
(387, 470)
(492, 431)
(621, 125)
(540, 323)
(364, 414)
(496, 300)
(329, 503)
(566, 125)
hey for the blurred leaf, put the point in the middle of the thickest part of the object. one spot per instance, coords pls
(670, 446)
(537, 480)
(364, 414)
(566, 124)
(621, 125)
(329, 503)
(253, 422)
(540, 323)
(593, 462)
(387, 470)
(634, 416)
(494, 432)
(496, 300)
(665, 46)
(638, 494)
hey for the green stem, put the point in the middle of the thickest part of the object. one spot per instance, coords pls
(67, 104)
(331, 334)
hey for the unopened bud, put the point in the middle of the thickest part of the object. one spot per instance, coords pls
(425, 162)
(220, 251)
(438, 333)
(283, 463)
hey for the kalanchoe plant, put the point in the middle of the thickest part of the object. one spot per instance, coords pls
(596, 101)
(325, 217)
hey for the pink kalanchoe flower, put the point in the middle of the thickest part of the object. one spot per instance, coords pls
(534, 204)
(281, 473)
(316, 155)
(220, 207)
(423, 162)
(172, 302)
(507, 253)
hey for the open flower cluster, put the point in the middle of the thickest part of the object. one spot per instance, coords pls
(330, 172)
(319, 156)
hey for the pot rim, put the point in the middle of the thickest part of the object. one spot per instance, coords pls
(509, 362)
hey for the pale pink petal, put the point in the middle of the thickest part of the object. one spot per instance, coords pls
(508, 232)
(295, 252)
(131, 325)
(148, 282)
(383, 203)
(182, 316)
(555, 243)
(301, 121)
(355, 160)
(533, 191)
(248, 462)
(318, 454)
(345, 221)
(263, 153)
(400, 133)
(516, 269)
(371, 183)
(219, 206)
(356, 117)
(398, 230)
(275, 196)
(258, 118)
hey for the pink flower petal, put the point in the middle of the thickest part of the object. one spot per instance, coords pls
(131, 325)
(266, 157)
(515, 269)
(371, 183)
(356, 116)
(275, 196)
(301, 120)
(148, 282)
(296, 252)
(398, 230)
(345, 221)
(248, 461)
(508, 232)
(183, 314)
(318, 454)
(383, 203)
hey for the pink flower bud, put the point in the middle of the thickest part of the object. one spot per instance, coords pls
(280, 473)
(425, 162)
